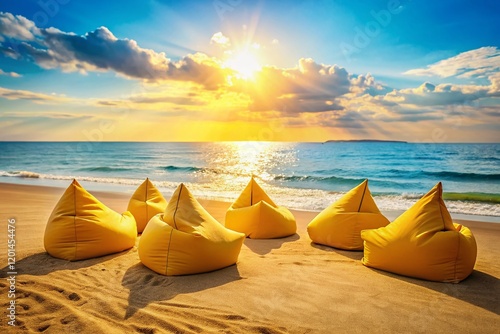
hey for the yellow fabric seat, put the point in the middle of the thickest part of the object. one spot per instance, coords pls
(256, 215)
(146, 202)
(186, 239)
(423, 242)
(340, 224)
(80, 227)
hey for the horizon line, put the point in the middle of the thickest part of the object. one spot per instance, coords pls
(330, 141)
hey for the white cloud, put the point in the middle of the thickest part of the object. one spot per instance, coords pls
(45, 114)
(17, 27)
(10, 74)
(13, 94)
(309, 87)
(495, 84)
(474, 63)
(221, 40)
(428, 94)
(306, 88)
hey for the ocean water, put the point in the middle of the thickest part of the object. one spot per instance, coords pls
(307, 176)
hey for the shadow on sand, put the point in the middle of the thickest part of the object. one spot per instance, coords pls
(353, 255)
(479, 289)
(147, 287)
(40, 264)
(264, 246)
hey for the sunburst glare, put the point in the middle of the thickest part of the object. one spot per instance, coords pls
(245, 63)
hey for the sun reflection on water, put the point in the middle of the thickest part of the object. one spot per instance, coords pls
(231, 164)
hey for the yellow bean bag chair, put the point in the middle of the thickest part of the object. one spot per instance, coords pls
(256, 215)
(423, 242)
(186, 239)
(80, 227)
(341, 223)
(146, 202)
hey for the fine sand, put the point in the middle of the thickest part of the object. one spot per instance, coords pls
(284, 285)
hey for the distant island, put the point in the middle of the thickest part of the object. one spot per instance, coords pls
(365, 141)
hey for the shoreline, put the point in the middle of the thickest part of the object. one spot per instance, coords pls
(287, 285)
(128, 190)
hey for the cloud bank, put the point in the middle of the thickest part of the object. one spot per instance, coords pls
(100, 50)
(12, 94)
(310, 94)
(481, 62)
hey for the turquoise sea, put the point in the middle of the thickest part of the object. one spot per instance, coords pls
(305, 176)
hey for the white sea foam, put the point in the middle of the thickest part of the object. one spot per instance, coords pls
(27, 174)
(317, 200)
(24, 174)
(294, 198)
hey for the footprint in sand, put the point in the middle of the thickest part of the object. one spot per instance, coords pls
(234, 317)
(145, 330)
(43, 328)
(22, 295)
(25, 307)
(26, 282)
(39, 298)
(68, 319)
(74, 296)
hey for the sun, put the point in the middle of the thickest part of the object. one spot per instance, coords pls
(244, 63)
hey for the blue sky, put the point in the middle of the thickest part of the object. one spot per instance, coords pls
(391, 65)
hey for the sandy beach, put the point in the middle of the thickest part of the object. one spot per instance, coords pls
(284, 285)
